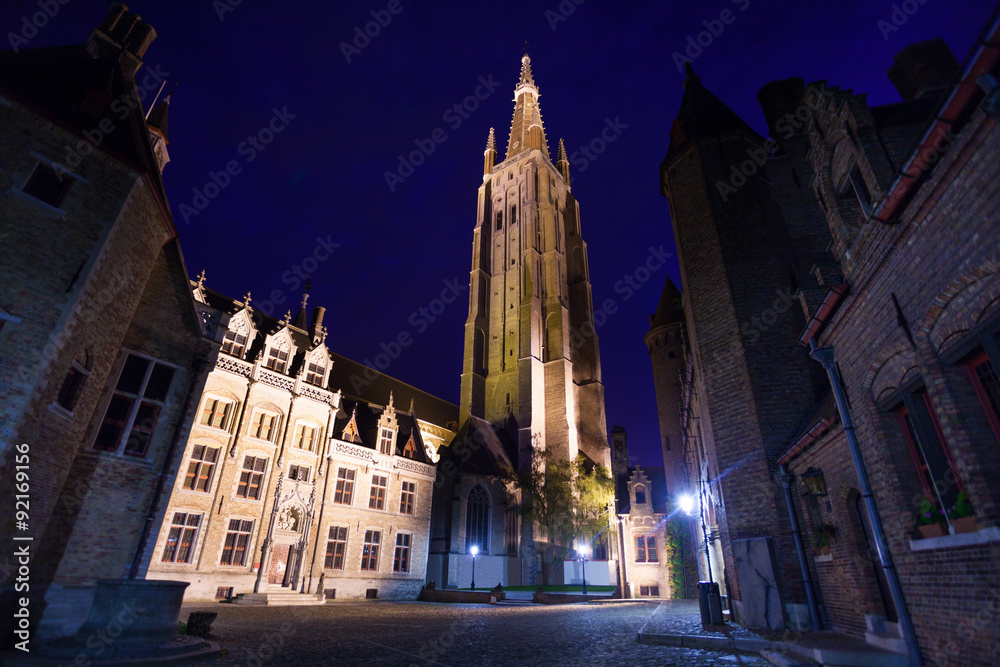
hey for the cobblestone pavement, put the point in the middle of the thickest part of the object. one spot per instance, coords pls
(682, 617)
(413, 633)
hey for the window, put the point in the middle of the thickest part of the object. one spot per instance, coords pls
(181, 538)
(499, 220)
(298, 473)
(861, 194)
(401, 560)
(263, 426)
(376, 500)
(251, 477)
(305, 437)
(47, 186)
(224, 593)
(385, 441)
(72, 386)
(406, 497)
(235, 344)
(477, 519)
(645, 549)
(512, 530)
(277, 360)
(987, 384)
(410, 449)
(201, 468)
(141, 391)
(369, 553)
(649, 591)
(216, 413)
(345, 486)
(234, 551)
(928, 449)
(640, 494)
(336, 546)
(513, 215)
(315, 373)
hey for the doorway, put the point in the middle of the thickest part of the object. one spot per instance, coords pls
(277, 572)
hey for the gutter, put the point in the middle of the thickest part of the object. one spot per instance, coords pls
(826, 310)
(955, 109)
(818, 430)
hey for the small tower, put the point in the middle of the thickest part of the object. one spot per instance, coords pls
(562, 164)
(490, 155)
(619, 452)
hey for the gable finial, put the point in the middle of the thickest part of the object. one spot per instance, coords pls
(287, 318)
(246, 300)
(201, 278)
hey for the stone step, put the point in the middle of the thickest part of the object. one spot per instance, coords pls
(850, 656)
(279, 598)
(785, 659)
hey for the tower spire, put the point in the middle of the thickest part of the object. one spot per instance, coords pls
(562, 163)
(300, 317)
(526, 129)
(490, 154)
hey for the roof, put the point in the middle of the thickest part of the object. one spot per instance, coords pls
(657, 492)
(479, 449)
(670, 309)
(701, 115)
(527, 113)
(367, 417)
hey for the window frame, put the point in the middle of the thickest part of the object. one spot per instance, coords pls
(370, 550)
(196, 466)
(376, 497)
(992, 413)
(243, 528)
(345, 486)
(333, 556)
(640, 489)
(178, 531)
(386, 441)
(300, 431)
(233, 343)
(402, 553)
(227, 414)
(478, 525)
(407, 497)
(275, 357)
(261, 474)
(257, 425)
(65, 180)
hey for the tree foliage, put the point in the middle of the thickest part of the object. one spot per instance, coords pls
(568, 502)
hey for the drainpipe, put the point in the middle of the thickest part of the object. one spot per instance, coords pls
(624, 568)
(786, 482)
(824, 355)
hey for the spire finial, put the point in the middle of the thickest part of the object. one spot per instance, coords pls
(526, 69)
(491, 141)
(201, 278)
(561, 156)
(322, 335)
(287, 318)
(390, 401)
(246, 300)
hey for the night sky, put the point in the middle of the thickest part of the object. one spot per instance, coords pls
(343, 125)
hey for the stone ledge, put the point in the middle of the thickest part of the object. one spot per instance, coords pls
(981, 536)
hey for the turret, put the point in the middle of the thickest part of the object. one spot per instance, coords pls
(562, 164)
(490, 154)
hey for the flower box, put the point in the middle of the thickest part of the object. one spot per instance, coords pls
(966, 524)
(932, 530)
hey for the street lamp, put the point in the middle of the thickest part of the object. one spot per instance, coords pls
(474, 550)
(686, 503)
(708, 592)
(583, 550)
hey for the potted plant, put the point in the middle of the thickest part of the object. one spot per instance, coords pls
(930, 521)
(822, 537)
(963, 517)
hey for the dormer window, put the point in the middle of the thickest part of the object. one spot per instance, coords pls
(385, 441)
(277, 360)
(315, 373)
(234, 344)
(640, 494)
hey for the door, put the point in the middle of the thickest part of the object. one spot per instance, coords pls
(870, 552)
(279, 563)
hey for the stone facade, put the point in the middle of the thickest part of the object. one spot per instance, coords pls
(872, 231)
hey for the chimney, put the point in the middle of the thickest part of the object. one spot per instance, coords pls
(317, 321)
(123, 35)
(779, 99)
(924, 67)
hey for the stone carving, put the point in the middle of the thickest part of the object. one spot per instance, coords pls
(290, 519)
(234, 365)
(358, 452)
(414, 466)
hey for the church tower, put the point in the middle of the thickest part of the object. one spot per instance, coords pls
(531, 365)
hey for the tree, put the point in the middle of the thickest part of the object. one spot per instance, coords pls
(569, 500)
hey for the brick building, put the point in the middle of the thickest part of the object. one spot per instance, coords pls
(283, 481)
(871, 232)
(100, 339)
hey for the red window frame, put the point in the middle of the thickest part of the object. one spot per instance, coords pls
(922, 467)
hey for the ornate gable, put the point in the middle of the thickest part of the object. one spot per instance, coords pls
(350, 432)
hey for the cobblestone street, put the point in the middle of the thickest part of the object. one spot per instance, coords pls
(410, 633)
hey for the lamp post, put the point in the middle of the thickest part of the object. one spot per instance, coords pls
(583, 550)
(474, 550)
(708, 592)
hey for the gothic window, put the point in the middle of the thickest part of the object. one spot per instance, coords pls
(335, 547)
(376, 499)
(345, 486)
(512, 530)
(138, 396)
(181, 538)
(640, 494)
(264, 426)
(251, 478)
(407, 497)
(315, 372)
(477, 520)
(234, 550)
(401, 559)
(235, 344)
(201, 468)
(216, 412)
(47, 186)
(277, 360)
(369, 553)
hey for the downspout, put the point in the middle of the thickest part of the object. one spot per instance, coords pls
(626, 590)
(786, 483)
(824, 355)
(322, 501)
(161, 479)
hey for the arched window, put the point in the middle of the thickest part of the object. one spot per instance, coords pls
(477, 520)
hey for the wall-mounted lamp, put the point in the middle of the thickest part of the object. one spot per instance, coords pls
(814, 481)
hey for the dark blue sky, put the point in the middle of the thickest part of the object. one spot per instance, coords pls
(323, 175)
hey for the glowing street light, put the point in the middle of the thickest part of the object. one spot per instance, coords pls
(474, 550)
(686, 503)
(583, 550)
